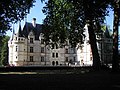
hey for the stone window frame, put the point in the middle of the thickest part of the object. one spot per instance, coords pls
(31, 50)
(31, 58)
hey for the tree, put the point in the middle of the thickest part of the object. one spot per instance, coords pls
(61, 23)
(4, 51)
(66, 18)
(12, 11)
(116, 8)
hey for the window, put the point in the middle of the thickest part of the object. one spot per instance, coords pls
(42, 59)
(31, 40)
(56, 55)
(31, 58)
(42, 41)
(42, 50)
(16, 49)
(53, 63)
(31, 49)
(53, 55)
(74, 50)
(66, 50)
(66, 59)
(16, 38)
(91, 58)
(74, 59)
(56, 62)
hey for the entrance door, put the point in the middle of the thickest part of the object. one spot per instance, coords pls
(56, 62)
(53, 63)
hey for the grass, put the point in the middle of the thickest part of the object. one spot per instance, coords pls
(83, 79)
(82, 71)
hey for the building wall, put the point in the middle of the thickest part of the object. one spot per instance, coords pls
(105, 46)
(20, 53)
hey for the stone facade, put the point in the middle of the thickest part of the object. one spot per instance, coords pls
(27, 48)
(105, 45)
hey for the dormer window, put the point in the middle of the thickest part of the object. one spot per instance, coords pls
(31, 40)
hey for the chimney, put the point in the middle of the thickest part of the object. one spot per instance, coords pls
(34, 22)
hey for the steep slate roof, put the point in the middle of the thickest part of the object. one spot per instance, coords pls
(20, 31)
(36, 30)
(107, 33)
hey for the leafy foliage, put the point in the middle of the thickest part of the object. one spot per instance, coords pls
(12, 11)
(62, 22)
(66, 18)
(4, 51)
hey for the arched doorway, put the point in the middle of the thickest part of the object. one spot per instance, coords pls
(53, 63)
(56, 62)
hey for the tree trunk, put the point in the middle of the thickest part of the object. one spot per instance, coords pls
(115, 61)
(95, 54)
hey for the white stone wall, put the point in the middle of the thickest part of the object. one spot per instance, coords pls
(21, 57)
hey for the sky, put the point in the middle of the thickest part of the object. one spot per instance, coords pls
(36, 12)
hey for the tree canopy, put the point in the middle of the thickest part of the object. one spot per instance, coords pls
(12, 11)
(67, 18)
(4, 51)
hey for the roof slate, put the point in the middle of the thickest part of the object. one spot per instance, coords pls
(28, 27)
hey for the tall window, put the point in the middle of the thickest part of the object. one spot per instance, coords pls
(53, 55)
(42, 41)
(66, 50)
(74, 51)
(31, 40)
(56, 55)
(42, 59)
(31, 49)
(66, 59)
(74, 59)
(31, 58)
(16, 49)
(16, 38)
(42, 50)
